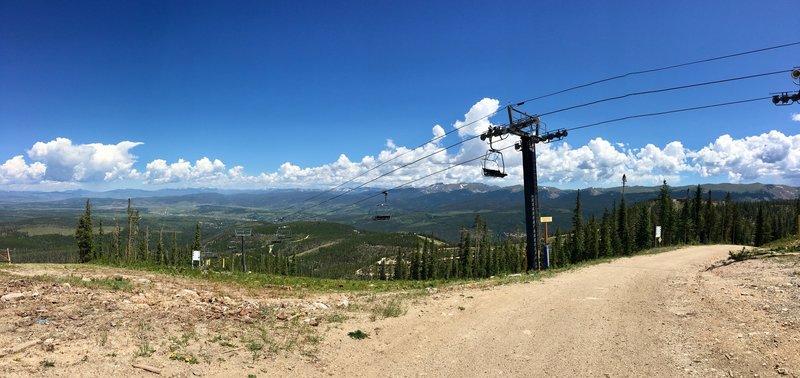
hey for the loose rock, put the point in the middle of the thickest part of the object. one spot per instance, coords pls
(12, 296)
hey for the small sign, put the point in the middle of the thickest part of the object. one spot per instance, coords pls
(546, 219)
(658, 232)
(195, 255)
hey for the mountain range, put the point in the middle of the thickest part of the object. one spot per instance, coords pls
(439, 209)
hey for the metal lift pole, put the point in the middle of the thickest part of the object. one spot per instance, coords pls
(244, 263)
(531, 197)
(527, 146)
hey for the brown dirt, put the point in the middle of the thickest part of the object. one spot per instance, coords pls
(654, 315)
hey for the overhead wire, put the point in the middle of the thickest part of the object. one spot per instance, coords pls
(661, 90)
(642, 115)
(664, 68)
(608, 79)
(349, 190)
(687, 86)
(362, 174)
(416, 180)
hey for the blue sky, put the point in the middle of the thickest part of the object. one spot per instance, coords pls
(260, 94)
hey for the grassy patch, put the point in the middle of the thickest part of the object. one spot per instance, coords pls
(295, 285)
(390, 309)
(223, 341)
(145, 349)
(39, 230)
(358, 334)
(115, 283)
(337, 318)
(178, 343)
(47, 363)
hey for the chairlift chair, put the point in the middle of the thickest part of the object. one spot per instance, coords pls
(493, 164)
(382, 211)
(284, 232)
(281, 234)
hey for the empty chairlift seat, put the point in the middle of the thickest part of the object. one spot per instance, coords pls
(494, 165)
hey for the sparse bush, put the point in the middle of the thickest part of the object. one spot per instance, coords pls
(145, 350)
(358, 334)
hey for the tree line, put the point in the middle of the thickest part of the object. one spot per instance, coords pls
(622, 230)
(131, 244)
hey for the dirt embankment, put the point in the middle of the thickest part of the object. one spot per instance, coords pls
(656, 315)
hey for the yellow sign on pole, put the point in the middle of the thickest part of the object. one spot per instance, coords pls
(546, 219)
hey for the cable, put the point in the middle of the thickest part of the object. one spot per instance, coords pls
(479, 157)
(668, 112)
(413, 181)
(384, 163)
(553, 112)
(573, 128)
(659, 69)
(661, 90)
(386, 174)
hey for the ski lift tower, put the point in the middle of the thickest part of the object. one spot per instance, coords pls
(243, 233)
(527, 128)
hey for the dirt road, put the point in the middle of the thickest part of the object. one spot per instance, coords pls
(641, 316)
(654, 315)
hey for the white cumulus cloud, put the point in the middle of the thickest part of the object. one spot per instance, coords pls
(17, 171)
(84, 162)
(796, 117)
(768, 157)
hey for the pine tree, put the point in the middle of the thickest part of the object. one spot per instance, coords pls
(643, 234)
(710, 216)
(626, 244)
(479, 263)
(697, 213)
(101, 239)
(593, 238)
(175, 254)
(116, 243)
(666, 214)
(606, 232)
(160, 252)
(416, 261)
(84, 235)
(760, 237)
(196, 244)
(616, 241)
(133, 229)
(556, 249)
(401, 267)
(727, 221)
(465, 254)
(687, 222)
(144, 246)
(578, 241)
(292, 270)
(451, 271)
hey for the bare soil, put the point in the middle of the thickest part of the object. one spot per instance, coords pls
(653, 315)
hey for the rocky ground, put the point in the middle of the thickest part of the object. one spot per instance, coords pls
(656, 315)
